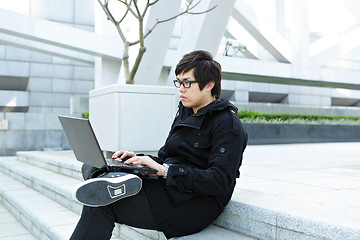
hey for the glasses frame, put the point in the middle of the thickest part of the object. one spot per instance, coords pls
(183, 83)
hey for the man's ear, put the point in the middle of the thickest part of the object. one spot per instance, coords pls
(210, 85)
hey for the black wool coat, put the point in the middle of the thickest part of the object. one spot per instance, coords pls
(204, 152)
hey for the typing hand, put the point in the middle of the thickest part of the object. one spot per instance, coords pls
(123, 155)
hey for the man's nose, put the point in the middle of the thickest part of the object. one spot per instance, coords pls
(182, 88)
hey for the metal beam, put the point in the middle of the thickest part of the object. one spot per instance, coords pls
(157, 42)
(265, 34)
(287, 81)
(203, 31)
(59, 35)
(329, 47)
(230, 34)
(250, 70)
(45, 48)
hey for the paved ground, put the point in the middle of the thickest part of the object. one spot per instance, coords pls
(316, 181)
(10, 228)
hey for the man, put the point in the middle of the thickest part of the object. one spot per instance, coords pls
(196, 168)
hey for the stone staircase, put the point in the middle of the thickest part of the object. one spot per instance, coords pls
(36, 187)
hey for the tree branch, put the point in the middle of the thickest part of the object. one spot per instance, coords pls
(125, 14)
(128, 5)
(137, 11)
(148, 4)
(154, 2)
(145, 9)
(187, 11)
(132, 7)
(210, 9)
(112, 19)
(107, 12)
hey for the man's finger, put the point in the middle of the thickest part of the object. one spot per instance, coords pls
(117, 154)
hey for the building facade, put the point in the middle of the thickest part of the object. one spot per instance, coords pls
(277, 56)
(36, 82)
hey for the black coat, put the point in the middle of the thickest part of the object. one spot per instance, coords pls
(204, 152)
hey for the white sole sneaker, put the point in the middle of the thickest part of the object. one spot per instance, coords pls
(103, 191)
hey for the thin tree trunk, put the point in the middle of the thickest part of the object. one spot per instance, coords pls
(141, 52)
(125, 63)
(129, 76)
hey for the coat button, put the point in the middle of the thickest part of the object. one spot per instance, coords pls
(181, 170)
(196, 144)
(222, 150)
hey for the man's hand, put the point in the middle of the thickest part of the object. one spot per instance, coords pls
(130, 158)
(149, 162)
(123, 155)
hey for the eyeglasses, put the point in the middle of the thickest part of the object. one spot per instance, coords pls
(186, 84)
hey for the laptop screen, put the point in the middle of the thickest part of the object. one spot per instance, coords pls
(83, 141)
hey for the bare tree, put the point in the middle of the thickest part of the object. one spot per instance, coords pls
(132, 7)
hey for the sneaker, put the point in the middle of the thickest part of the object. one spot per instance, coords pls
(107, 188)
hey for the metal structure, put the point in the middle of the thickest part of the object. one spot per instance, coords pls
(274, 56)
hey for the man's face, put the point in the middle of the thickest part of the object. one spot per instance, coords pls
(193, 97)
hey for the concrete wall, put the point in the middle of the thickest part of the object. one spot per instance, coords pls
(31, 131)
(52, 81)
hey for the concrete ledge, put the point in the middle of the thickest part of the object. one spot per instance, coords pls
(11, 228)
(36, 183)
(262, 223)
(238, 217)
(53, 185)
(31, 132)
(212, 232)
(295, 109)
(56, 162)
(30, 140)
(14, 98)
(62, 162)
(265, 133)
(44, 208)
(215, 233)
(51, 221)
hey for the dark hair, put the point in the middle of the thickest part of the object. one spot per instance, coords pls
(206, 69)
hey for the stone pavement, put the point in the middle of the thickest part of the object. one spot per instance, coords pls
(290, 191)
(10, 228)
(318, 182)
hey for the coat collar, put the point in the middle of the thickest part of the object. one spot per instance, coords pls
(187, 118)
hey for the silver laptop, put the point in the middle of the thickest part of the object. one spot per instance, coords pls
(87, 149)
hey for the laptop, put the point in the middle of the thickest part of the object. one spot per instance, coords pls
(86, 148)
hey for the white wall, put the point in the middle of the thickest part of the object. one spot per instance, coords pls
(52, 80)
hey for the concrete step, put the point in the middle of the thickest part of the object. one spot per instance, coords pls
(239, 219)
(43, 217)
(63, 162)
(11, 228)
(55, 186)
(45, 208)
(50, 178)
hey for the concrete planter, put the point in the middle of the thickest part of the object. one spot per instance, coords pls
(260, 133)
(132, 117)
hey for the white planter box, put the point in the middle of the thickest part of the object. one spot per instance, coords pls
(132, 117)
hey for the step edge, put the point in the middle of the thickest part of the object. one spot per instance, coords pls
(275, 219)
(54, 192)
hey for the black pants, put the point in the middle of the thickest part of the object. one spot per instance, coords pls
(97, 223)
